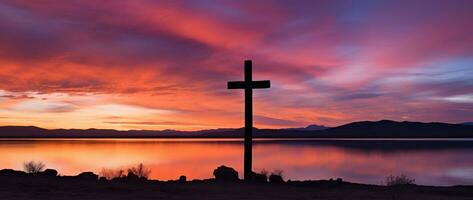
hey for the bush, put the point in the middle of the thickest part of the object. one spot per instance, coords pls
(141, 171)
(33, 167)
(276, 177)
(399, 180)
(138, 172)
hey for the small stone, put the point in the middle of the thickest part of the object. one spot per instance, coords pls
(182, 179)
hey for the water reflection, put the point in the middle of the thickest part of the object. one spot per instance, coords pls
(429, 162)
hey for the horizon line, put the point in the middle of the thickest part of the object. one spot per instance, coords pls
(233, 128)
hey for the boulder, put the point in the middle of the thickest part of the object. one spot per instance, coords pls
(11, 172)
(259, 178)
(224, 173)
(88, 176)
(49, 173)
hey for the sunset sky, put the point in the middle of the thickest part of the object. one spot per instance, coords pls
(142, 64)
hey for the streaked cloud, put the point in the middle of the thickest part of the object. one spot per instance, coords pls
(466, 98)
(166, 63)
(41, 106)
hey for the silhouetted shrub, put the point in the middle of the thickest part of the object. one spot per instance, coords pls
(224, 173)
(399, 180)
(132, 177)
(140, 171)
(33, 167)
(88, 176)
(110, 174)
(276, 177)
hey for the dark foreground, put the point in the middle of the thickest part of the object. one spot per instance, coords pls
(42, 187)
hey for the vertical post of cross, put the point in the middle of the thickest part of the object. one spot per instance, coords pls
(248, 157)
(248, 85)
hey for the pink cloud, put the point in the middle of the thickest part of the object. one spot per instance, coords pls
(330, 63)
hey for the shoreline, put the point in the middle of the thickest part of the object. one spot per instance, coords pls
(239, 138)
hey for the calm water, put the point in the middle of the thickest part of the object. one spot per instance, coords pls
(367, 161)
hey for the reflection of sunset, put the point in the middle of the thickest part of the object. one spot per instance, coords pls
(169, 159)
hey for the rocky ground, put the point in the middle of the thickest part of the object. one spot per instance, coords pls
(18, 185)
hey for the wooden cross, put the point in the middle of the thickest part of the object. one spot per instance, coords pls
(248, 84)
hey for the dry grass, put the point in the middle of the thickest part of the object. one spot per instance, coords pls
(33, 167)
(110, 174)
(141, 171)
(399, 180)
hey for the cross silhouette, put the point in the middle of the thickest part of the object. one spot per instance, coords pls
(248, 84)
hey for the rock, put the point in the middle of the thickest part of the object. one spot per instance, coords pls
(11, 172)
(224, 173)
(259, 178)
(88, 176)
(182, 179)
(49, 173)
(275, 178)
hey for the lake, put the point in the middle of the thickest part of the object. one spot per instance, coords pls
(429, 162)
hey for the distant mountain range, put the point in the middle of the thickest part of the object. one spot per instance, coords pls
(312, 127)
(363, 129)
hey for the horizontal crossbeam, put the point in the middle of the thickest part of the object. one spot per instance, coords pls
(260, 84)
(252, 85)
(236, 85)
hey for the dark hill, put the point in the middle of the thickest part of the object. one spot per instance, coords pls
(312, 127)
(467, 123)
(393, 129)
(22, 131)
(365, 129)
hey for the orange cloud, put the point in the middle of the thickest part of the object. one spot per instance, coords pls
(329, 64)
